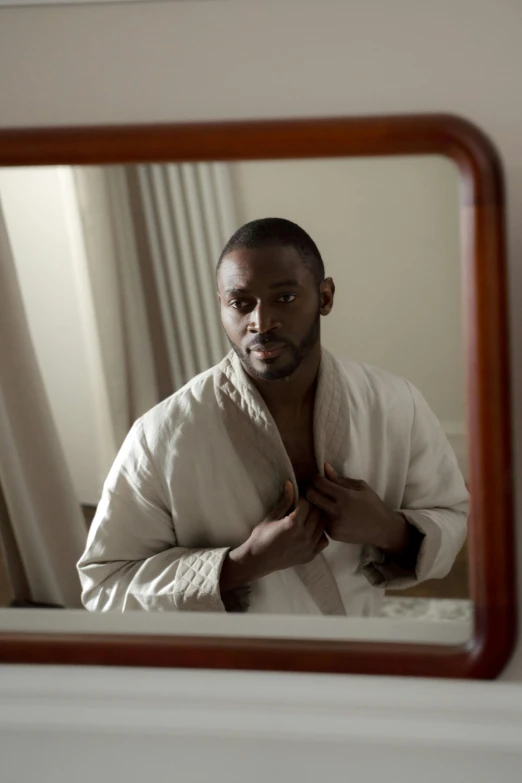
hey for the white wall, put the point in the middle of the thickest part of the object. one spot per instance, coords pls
(175, 61)
(195, 727)
(388, 232)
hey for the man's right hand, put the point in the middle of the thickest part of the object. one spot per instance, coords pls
(284, 539)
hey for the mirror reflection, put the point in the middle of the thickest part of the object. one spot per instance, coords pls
(255, 371)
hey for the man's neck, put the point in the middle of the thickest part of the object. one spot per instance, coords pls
(295, 393)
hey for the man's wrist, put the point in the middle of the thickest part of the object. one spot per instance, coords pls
(395, 537)
(410, 543)
(239, 568)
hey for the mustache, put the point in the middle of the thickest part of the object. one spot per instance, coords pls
(263, 339)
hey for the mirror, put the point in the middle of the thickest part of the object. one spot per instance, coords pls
(327, 351)
(134, 249)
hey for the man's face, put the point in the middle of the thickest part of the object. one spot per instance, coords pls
(270, 309)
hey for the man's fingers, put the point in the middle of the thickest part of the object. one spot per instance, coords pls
(301, 511)
(315, 522)
(319, 531)
(355, 484)
(343, 481)
(314, 514)
(330, 473)
(321, 544)
(322, 502)
(285, 503)
(326, 487)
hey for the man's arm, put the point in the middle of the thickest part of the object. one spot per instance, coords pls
(421, 539)
(434, 506)
(287, 537)
(132, 559)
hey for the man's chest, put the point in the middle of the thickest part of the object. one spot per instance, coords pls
(223, 473)
(298, 441)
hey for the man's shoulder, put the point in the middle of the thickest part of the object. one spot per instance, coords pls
(194, 400)
(368, 379)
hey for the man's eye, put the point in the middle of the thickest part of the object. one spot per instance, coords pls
(287, 298)
(237, 304)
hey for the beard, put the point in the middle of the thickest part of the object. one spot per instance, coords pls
(282, 366)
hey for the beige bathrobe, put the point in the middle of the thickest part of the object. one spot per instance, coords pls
(201, 469)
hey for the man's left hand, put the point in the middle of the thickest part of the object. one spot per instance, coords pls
(356, 514)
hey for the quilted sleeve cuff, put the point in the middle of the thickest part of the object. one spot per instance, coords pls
(196, 588)
(380, 568)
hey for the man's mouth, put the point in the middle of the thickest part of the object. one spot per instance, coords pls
(268, 351)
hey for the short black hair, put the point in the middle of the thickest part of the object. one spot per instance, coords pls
(277, 232)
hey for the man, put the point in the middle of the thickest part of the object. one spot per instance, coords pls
(279, 480)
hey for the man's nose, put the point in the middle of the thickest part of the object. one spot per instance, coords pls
(263, 320)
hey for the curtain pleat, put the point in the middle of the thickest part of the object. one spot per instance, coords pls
(189, 215)
(153, 234)
(45, 520)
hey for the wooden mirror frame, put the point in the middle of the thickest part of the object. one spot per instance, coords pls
(491, 535)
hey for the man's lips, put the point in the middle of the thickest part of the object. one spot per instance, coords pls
(268, 351)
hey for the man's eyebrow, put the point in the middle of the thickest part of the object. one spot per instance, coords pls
(230, 291)
(290, 283)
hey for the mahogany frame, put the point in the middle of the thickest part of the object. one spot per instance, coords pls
(491, 535)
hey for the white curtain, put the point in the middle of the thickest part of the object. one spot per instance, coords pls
(153, 234)
(42, 525)
(189, 216)
(119, 318)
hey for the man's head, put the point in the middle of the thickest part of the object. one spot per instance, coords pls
(272, 292)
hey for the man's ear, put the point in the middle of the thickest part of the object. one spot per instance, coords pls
(327, 293)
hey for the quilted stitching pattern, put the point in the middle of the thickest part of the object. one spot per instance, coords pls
(331, 422)
(197, 581)
(262, 430)
(261, 427)
(330, 425)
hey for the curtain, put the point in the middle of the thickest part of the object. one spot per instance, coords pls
(42, 532)
(153, 234)
(13, 581)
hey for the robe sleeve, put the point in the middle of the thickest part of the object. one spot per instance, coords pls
(435, 502)
(132, 559)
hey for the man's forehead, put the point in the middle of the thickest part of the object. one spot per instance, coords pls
(261, 263)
